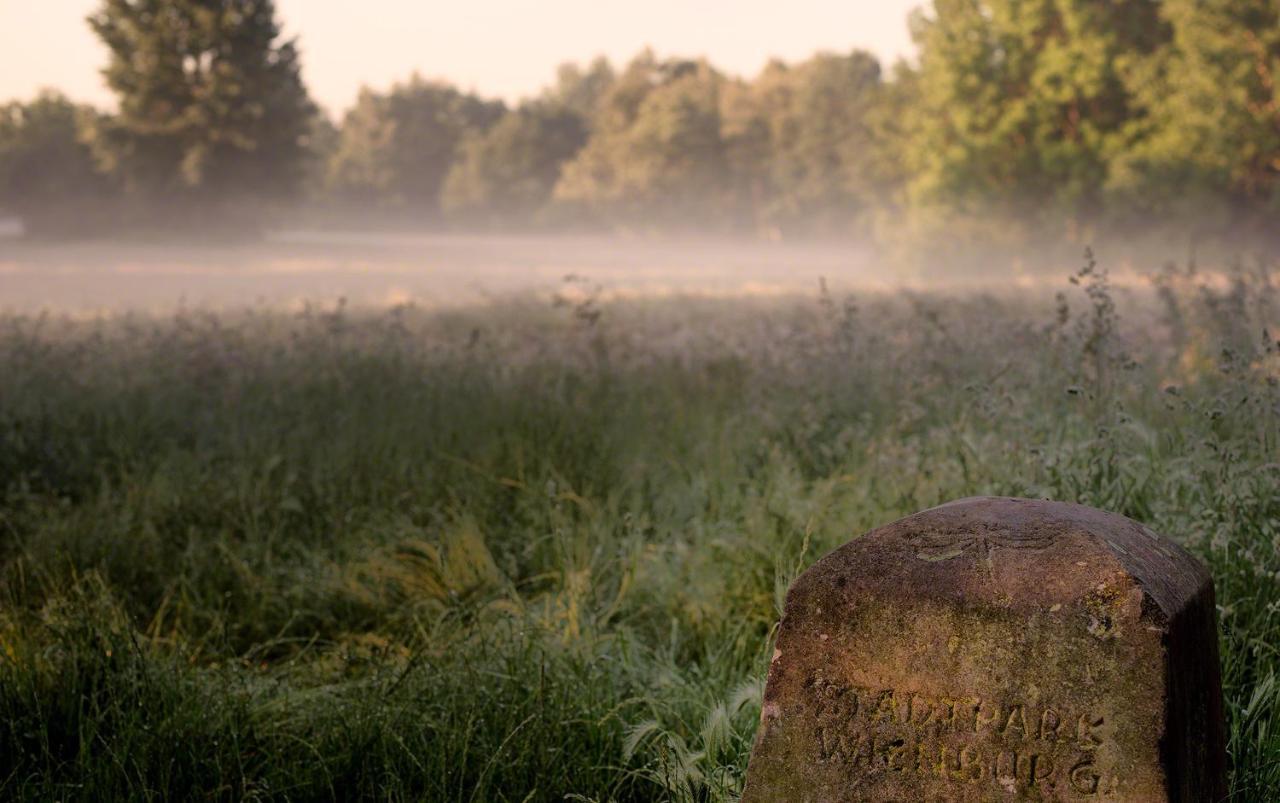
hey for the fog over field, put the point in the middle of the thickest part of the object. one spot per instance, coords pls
(288, 268)
(291, 267)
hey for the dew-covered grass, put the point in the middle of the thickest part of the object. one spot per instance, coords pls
(535, 551)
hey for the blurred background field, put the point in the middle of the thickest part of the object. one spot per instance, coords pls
(534, 549)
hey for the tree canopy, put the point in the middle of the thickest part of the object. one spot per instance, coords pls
(802, 141)
(1212, 101)
(510, 170)
(397, 147)
(656, 150)
(211, 100)
(1045, 111)
(1024, 104)
(46, 164)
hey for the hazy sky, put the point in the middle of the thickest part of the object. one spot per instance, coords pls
(507, 48)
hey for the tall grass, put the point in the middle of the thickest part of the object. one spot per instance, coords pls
(535, 552)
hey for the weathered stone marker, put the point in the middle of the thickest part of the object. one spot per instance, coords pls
(996, 649)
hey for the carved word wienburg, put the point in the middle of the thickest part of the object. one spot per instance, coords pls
(960, 738)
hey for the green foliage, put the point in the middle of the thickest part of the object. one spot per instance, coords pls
(211, 102)
(580, 90)
(397, 148)
(47, 171)
(509, 171)
(532, 553)
(1074, 117)
(1214, 105)
(656, 152)
(1025, 103)
(321, 143)
(802, 141)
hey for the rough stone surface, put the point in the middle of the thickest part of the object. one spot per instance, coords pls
(996, 649)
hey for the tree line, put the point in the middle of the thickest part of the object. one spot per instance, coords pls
(1051, 111)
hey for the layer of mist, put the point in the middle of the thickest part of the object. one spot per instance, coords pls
(292, 268)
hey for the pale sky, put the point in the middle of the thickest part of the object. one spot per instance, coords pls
(502, 48)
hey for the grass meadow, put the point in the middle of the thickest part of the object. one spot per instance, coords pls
(534, 551)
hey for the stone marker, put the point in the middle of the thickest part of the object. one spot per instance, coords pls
(996, 649)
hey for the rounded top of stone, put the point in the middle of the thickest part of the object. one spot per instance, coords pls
(1010, 552)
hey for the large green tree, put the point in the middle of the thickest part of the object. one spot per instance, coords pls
(1213, 111)
(397, 147)
(47, 172)
(1023, 104)
(211, 101)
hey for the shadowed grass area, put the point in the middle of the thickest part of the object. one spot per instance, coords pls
(532, 552)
